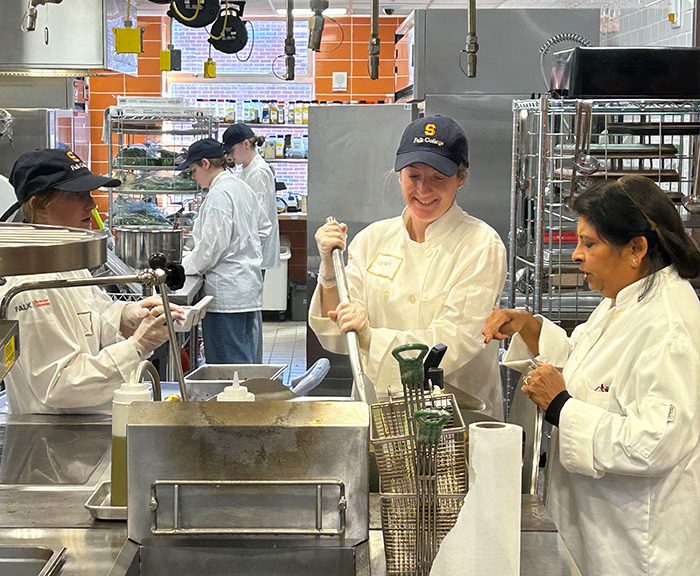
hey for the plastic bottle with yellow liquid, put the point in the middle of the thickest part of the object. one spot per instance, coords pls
(129, 392)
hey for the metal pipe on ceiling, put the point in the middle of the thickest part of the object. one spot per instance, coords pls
(289, 45)
(374, 41)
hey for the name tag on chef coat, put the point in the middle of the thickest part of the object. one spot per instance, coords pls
(385, 265)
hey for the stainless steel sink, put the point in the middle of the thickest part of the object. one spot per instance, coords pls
(29, 561)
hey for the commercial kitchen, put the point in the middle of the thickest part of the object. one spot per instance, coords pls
(323, 473)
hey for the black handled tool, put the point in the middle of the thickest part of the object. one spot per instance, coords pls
(432, 360)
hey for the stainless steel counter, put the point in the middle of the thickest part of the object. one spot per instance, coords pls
(44, 459)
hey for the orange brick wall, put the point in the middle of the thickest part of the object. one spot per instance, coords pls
(351, 56)
(105, 89)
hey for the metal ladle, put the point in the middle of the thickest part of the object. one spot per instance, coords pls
(691, 202)
(583, 162)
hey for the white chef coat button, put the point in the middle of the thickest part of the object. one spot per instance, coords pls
(430, 252)
(386, 295)
(412, 299)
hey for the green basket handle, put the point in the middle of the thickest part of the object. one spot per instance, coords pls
(396, 352)
(430, 424)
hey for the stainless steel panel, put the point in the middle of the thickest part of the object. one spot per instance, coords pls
(508, 60)
(351, 177)
(30, 128)
(28, 92)
(56, 45)
(247, 441)
(23, 560)
(37, 128)
(89, 552)
(249, 559)
(54, 455)
(487, 121)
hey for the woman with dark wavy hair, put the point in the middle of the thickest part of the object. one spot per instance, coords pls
(625, 456)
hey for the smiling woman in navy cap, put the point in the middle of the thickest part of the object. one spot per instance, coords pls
(431, 275)
(228, 235)
(77, 345)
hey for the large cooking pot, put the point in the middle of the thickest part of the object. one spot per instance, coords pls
(136, 244)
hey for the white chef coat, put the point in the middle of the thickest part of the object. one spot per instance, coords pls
(260, 178)
(72, 355)
(440, 290)
(227, 245)
(625, 478)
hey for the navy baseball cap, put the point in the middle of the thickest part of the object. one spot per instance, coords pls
(201, 149)
(236, 134)
(49, 168)
(437, 141)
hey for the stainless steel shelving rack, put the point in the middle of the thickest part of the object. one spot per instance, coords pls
(172, 132)
(655, 138)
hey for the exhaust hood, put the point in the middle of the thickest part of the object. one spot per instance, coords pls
(71, 38)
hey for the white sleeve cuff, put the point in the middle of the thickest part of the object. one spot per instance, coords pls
(577, 425)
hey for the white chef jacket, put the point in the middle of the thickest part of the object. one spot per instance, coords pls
(72, 355)
(227, 245)
(440, 290)
(625, 478)
(260, 178)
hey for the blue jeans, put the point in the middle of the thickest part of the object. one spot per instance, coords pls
(229, 338)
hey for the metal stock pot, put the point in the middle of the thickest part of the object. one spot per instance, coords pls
(136, 244)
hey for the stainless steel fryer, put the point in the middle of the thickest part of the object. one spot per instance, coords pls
(247, 488)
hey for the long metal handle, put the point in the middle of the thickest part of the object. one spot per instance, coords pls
(172, 337)
(317, 485)
(362, 389)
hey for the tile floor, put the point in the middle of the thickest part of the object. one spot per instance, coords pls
(285, 343)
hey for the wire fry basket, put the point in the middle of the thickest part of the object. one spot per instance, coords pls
(399, 528)
(394, 447)
(394, 442)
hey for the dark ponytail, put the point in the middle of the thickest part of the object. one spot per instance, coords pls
(635, 206)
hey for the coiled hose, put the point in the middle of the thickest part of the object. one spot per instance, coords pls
(559, 39)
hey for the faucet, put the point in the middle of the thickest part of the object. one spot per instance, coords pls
(147, 367)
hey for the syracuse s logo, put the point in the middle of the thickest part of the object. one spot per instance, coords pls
(72, 156)
(429, 130)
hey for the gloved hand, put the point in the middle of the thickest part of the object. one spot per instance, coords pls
(353, 317)
(133, 313)
(329, 236)
(150, 333)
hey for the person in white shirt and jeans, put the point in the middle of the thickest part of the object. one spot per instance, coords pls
(240, 146)
(228, 235)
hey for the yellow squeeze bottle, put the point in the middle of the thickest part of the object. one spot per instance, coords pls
(129, 392)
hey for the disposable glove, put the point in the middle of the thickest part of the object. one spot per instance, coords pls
(353, 317)
(150, 333)
(328, 237)
(134, 312)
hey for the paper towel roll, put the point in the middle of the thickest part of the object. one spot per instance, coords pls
(486, 538)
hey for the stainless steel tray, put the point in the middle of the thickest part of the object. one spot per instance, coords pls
(99, 507)
(261, 379)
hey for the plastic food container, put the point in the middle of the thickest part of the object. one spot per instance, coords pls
(193, 314)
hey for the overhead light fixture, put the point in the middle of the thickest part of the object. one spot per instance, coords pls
(308, 12)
